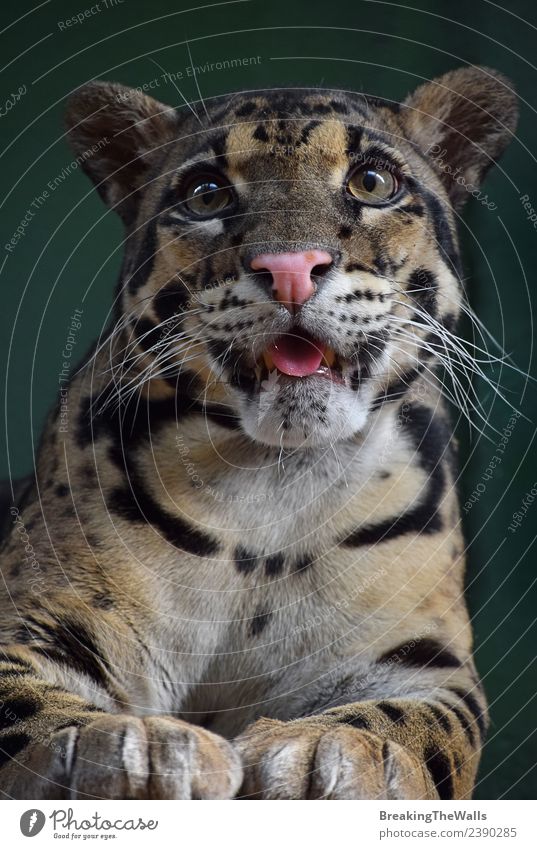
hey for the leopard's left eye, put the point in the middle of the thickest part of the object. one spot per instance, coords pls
(372, 185)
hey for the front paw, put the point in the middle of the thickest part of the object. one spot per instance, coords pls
(318, 759)
(125, 757)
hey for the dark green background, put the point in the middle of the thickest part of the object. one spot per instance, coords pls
(69, 256)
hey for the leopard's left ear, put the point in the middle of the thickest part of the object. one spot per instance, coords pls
(463, 120)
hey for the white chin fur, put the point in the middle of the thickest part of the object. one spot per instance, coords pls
(305, 412)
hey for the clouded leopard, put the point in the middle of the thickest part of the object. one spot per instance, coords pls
(247, 535)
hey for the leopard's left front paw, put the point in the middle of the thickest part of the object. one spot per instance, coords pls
(310, 759)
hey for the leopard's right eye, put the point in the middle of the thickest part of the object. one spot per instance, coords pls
(206, 195)
(373, 186)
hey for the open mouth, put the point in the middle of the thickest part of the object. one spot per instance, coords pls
(299, 355)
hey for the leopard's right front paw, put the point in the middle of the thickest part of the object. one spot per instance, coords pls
(125, 757)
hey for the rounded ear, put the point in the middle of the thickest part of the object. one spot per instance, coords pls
(463, 120)
(117, 133)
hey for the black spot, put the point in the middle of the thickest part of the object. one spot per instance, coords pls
(93, 540)
(222, 415)
(259, 622)
(303, 563)
(321, 108)
(441, 717)
(307, 131)
(62, 490)
(143, 264)
(245, 560)
(474, 707)
(103, 601)
(147, 333)
(16, 666)
(440, 771)
(422, 519)
(358, 721)
(369, 351)
(339, 107)
(233, 361)
(16, 710)
(412, 209)
(426, 284)
(431, 436)
(398, 388)
(356, 266)
(391, 711)
(424, 652)
(70, 643)
(344, 232)
(246, 109)
(260, 134)
(218, 144)
(274, 565)
(16, 670)
(380, 102)
(135, 420)
(11, 745)
(444, 237)
(466, 723)
(134, 504)
(354, 138)
(431, 439)
(170, 300)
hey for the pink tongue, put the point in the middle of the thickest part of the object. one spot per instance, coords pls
(295, 355)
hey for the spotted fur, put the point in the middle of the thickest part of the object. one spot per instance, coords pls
(239, 597)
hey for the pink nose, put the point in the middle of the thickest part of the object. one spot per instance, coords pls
(291, 274)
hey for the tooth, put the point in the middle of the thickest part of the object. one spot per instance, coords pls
(329, 357)
(269, 362)
(258, 373)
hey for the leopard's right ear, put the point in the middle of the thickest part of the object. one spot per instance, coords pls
(117, 133)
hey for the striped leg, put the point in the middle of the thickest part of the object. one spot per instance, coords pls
(420, 746)
(56, 745)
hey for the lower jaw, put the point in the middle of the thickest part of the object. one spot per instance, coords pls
(302, 414)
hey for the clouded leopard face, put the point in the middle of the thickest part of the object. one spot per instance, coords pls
(290, 255)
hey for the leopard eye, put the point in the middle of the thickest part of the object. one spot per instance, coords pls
(206, 195)
(372, 185)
